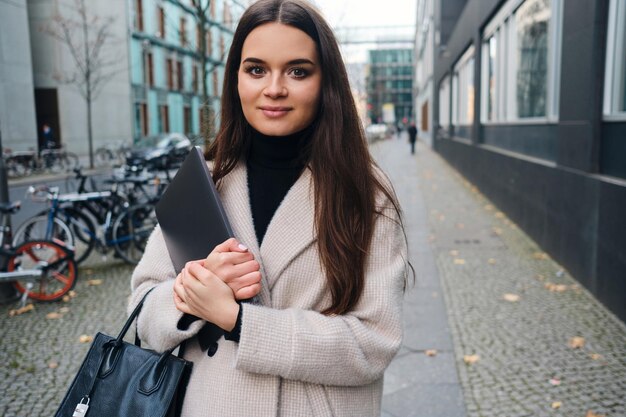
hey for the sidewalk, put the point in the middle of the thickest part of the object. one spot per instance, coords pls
(528, 340)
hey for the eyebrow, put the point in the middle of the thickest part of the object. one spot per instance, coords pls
(298, 61)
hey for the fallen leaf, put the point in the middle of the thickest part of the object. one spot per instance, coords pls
(53, 365)
(596, 356)
(488, 207)
(497, 231)
(72, 294)
(64, 310)
(442, 217)
(540, 255)
(459, 261)
(556, 404)
(491, 261)
(539, 277)
(66, 298)
(460, 226)
(556, 287)
(592, 414)
(500, 215)
(94, 282)
(21, 310)
(431, 352)
(471, 359)
(85, 339)
(454, 253)
(52, 316)
(555, 382)
(88, 271)
(431, 238)
(513, 298)
(576, 342)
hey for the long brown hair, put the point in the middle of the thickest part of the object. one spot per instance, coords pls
(344, 176)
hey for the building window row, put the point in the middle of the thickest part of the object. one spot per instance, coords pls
(519, 68)
(519, 62)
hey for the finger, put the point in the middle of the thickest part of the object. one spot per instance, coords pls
(240, 270)
(253, 277)
(248, 292)
(231, 245)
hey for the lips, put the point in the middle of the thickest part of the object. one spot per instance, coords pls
(274, 111)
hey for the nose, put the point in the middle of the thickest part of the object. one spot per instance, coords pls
(275, 88)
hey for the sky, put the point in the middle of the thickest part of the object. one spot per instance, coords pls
(367, 13)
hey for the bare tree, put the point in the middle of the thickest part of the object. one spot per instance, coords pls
(204, 22)
(86, 37)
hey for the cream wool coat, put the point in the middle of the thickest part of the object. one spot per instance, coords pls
(290, 360)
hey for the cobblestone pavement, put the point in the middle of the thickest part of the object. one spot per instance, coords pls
(529, 341)
(41, 355)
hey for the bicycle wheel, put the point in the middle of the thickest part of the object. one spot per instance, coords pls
(131, 230)
(56, 264)
(36, 228)
(83, 230)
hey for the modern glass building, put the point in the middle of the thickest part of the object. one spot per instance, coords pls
(530, 105)
(389, 85)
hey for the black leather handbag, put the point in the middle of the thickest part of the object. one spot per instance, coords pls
(120, 379)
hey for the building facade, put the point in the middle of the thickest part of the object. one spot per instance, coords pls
(166, 66)
(150, 77)
(17, 101)
(530, 105)
(390, 86)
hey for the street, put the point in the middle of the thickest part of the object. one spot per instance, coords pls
(493, 326)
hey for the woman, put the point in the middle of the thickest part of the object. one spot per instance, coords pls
(320, 245)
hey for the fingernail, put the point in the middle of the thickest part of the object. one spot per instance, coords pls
(242, 247)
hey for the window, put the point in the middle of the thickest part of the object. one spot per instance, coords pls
(444, 103)
(463, 90)
(149, 69)
(194, 78)
(139, 15)
(169, 69)
(187, 119)
(183, 31)
(161, 20)
(615, 72)
(141, 119)
(180, 75)
(164, 118)
(520, 66)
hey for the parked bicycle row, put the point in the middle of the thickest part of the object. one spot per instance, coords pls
(167, 151)
(114, 215)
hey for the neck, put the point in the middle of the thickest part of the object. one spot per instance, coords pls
(279, 151)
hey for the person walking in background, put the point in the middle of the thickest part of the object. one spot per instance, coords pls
(320, 242)
(48, 137)
(412, 137)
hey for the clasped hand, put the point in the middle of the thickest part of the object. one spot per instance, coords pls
(208, 288)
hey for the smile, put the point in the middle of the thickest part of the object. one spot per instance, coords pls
(275, 112)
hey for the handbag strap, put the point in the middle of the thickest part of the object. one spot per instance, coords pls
(133, 316)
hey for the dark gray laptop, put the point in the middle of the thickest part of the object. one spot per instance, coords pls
(190, 213)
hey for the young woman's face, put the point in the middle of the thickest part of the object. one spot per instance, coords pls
(279, 79)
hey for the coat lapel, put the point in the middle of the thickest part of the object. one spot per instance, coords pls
(291, 229)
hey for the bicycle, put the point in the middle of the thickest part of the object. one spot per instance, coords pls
(43, 270)
(125, 229)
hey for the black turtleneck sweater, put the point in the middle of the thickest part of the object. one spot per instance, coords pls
(274, 164)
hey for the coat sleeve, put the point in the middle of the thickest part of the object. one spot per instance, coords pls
(351, 349)
(157, 324)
